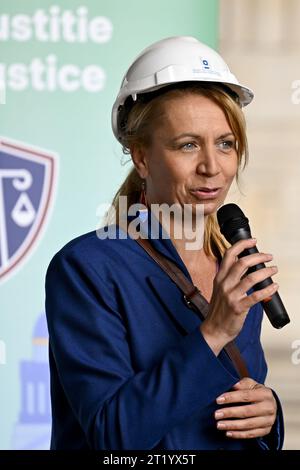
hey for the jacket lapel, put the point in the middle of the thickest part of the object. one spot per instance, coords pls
(172, 300)
(152, 230)
(169, 295)
(186, 319)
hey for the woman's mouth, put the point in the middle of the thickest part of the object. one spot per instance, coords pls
(206, 193)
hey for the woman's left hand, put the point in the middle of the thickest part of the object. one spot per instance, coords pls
(255, 418)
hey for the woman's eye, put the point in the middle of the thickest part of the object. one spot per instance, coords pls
(188, 146)
(227, 144)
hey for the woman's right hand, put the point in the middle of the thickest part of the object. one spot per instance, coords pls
(230, 303)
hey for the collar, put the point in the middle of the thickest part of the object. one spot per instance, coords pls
(149, 227)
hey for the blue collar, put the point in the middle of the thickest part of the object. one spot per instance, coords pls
(152, 229)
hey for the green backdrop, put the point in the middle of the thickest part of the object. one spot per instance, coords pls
(76, 126)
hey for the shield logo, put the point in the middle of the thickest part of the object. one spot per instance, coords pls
(27, 185)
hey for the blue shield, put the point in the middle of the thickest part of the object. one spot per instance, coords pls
(27, 182)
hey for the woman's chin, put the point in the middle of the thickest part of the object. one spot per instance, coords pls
(208, 207)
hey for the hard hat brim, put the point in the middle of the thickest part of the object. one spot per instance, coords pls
(244, 94)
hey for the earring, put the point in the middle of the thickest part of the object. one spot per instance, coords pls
(143, 212)
(143, 197)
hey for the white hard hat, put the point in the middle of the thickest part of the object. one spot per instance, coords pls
(173, 60)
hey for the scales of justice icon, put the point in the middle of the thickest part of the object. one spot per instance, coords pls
(22, 214)
(27, 183)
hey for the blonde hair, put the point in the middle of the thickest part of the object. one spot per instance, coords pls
(135, 122)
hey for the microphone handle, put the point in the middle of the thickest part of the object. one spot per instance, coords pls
(273, 305)
(265, 282)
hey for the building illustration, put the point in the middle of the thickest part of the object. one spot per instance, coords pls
(33, 429)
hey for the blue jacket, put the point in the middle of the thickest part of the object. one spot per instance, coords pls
(129, 366)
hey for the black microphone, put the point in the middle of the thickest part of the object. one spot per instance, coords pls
(234, 226)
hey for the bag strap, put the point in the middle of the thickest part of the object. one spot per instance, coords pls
(192, 297)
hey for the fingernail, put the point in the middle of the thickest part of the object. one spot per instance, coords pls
(221, 399)
(221, 426)
(219, 414)
(229, 434)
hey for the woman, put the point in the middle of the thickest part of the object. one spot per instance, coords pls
(132, 366)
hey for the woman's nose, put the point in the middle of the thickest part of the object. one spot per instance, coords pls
(208, 163)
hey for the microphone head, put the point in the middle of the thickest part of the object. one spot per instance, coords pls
(232, 219)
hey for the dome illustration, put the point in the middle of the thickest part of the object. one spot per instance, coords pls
(33, 429)
(40, 328)
(40, 339)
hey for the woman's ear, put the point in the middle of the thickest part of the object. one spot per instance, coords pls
(139, 157)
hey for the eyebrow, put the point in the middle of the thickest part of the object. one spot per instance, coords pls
(191, 134)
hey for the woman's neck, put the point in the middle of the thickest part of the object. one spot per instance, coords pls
(188, 241)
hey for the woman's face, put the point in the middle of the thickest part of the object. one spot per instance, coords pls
(192, 157)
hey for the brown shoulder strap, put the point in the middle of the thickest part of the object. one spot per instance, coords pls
(192, 297)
